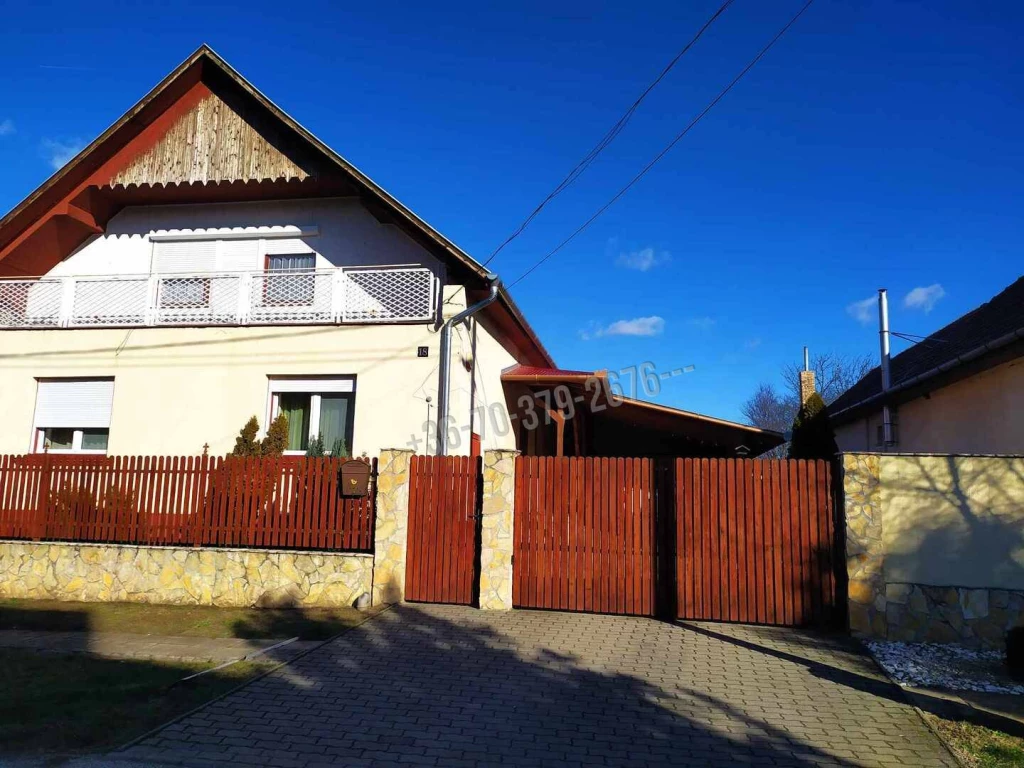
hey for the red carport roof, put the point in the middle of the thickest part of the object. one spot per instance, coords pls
(652, 415)
(536, 373)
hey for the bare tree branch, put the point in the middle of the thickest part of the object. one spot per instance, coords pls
(833, 374)
(768, 408)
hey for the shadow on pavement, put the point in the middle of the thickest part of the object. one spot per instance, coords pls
(413, 686)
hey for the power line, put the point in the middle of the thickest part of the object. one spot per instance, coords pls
(671, 144)
(915, 338)
(609, 137)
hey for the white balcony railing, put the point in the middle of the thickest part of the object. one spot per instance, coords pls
(340, 295)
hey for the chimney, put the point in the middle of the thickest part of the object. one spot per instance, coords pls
(806, 380)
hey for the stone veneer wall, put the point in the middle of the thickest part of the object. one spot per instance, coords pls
(496, 529)
(864, 550)
(180, 576)
(391, 534)
(912, 612)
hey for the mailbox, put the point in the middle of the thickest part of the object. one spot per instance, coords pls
(355, 478)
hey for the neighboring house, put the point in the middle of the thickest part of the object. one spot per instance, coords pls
(960, 390)
(207, 259)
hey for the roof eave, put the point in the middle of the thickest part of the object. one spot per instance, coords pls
(851, 412)
(678, 412)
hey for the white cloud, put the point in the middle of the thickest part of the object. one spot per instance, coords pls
(703, 323)
(752, 344)
(6, 127)
(58, 153)
(924, 297)
(864, 311)
(643, 260)
(638, 326)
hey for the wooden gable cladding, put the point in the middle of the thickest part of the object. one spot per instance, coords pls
(211, 142)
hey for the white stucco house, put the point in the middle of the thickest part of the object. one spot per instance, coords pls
(207, 259)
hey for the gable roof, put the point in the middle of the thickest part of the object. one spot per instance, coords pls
(994, 326)
(80, 197)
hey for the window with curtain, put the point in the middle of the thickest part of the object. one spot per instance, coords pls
(321, 408)
(290, 282)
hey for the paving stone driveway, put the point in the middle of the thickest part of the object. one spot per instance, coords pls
(452, 686)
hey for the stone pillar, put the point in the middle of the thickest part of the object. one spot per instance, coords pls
(392, 526)
(865, 554)
(496, 530)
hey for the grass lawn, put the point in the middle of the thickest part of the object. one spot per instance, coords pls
(53, 703)
(980, 747)
(184, 620)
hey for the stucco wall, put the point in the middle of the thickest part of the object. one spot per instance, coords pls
(935, 545)
(953, 520)
(178, 388)
(348, 235)
(980, 414)
(170, 575)
(478, 391)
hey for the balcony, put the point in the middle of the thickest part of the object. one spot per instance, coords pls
(338, 295)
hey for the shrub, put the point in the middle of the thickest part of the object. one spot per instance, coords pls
(1015, 652)
(812, 432)
(316, 447)
(276, 441)
(246, 443)
(274, 444)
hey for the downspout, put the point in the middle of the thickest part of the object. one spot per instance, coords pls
(446, 363)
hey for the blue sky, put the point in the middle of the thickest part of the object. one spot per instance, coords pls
(878, 144)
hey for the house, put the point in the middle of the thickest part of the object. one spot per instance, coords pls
(207, 259)
(958, 391)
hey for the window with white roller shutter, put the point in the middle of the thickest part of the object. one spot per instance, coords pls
(184, 257)
(72, 415)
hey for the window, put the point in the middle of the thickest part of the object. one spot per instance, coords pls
(72, 415)
(184, 257)
(292, 282)
(184, 292)
(321, 408)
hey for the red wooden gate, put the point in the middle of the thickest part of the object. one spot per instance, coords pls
(584, 535)
(754, 541)
(443, 499)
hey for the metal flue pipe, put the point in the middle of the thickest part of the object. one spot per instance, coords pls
(883, 341)
(444, 381)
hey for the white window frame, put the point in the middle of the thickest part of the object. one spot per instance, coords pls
(315, 387)
(38, 442)
(76, 443)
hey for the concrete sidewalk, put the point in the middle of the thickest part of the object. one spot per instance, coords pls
(123, 645)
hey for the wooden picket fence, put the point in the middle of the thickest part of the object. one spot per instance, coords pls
(703, 539)
(273, 502)
(755, 541)
(585, 537)
(444, 497)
